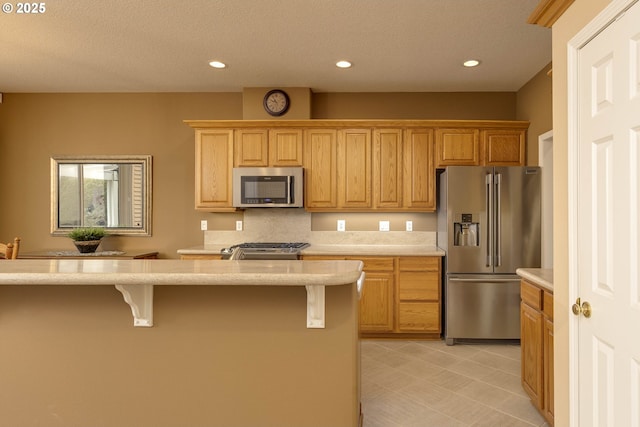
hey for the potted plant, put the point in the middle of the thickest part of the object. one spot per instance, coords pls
(87, 239)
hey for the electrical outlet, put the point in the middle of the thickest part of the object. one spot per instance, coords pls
(238, 225)
(409, 225)
(203, 225)
(341, 225)
(383, 225)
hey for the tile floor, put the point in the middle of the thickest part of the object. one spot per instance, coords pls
(427, 383)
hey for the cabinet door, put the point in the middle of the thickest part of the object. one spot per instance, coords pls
(387, 168)
(213, 170)
(419, 189)
(320, 153)
(458, 147)
(285, 147)
(504, 147)
(531, 329)
(354, 168)
(547, 381)
(376, 302)
(251, 148)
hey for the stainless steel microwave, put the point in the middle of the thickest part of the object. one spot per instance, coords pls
(268, 187)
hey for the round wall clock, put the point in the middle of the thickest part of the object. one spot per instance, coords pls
(276, 102)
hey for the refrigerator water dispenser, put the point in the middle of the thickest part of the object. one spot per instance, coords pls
(465, 231)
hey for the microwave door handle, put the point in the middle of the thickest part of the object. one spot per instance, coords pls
(290, 184)
(489, 210)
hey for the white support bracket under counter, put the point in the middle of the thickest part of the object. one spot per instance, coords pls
(140, 299)
(315, 306)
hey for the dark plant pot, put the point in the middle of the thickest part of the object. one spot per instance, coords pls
(87, 246)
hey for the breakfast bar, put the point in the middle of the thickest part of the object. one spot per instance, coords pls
(222, 343)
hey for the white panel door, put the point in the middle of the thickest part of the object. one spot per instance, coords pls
(607, 233)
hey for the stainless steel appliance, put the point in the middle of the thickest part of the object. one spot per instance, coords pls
(268, 187)
(264, 251)
(489, 225)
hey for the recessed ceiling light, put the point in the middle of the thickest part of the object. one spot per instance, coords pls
(471, 63)
(343, 64)
(217, 64)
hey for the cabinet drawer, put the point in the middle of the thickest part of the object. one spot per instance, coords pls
(547, 304)
(531, 295)
(419, 317)
(375, 264)
(419, 285)
(418, 263)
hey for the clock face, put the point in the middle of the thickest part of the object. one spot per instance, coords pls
(276, 102)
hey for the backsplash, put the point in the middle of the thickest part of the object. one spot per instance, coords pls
(294, 225)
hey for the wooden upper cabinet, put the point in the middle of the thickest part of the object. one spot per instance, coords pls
(458, 147)
(352, 165)
(262, 148)
(475, 147)
(419, 191)
(213, 169)
(251, 147)
(387, 168)
(504, 147)
(285, 147)
(320, 157)
(354, 168)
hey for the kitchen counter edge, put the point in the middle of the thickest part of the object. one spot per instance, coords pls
(335, 250)
(179, 272)
(542, 277)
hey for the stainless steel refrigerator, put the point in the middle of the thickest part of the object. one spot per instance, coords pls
(489, 225)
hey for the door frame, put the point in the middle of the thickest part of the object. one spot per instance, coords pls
(590, 31)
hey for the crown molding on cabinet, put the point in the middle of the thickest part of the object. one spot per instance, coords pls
(348, 123)
(548, 11)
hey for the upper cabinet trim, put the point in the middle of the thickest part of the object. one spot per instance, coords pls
(309, 124)
(548, 11)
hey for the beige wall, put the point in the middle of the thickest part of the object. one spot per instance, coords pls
(427, 105)
(34, 127)
(573, 20)
(216, 356)
(534, 105)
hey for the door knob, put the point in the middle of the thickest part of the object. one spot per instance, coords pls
(584, 308)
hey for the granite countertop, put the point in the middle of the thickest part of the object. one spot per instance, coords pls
(331, 250)
(538, 276)
(178, 272)
(379, 250)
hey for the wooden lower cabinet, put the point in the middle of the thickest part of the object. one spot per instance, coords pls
(536, 344)
(400, 296)
(376, 302)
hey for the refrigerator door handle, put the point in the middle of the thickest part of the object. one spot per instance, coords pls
(498, 181)
(455, 279)
(489, 210)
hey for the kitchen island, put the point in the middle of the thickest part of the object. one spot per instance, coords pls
(227, 343)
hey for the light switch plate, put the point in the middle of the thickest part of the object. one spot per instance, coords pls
(203, 225)
(341, 225)
(383, 225)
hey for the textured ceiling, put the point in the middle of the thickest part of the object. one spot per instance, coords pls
(164, 46)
